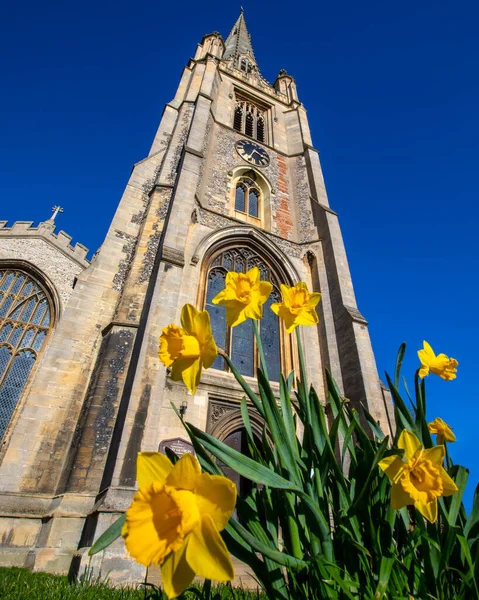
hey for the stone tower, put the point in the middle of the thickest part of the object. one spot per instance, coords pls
(232, 180)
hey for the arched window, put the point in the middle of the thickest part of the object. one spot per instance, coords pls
(248, 196)
(239, 341)
(26, 315)
(238, 120)
(250, 120)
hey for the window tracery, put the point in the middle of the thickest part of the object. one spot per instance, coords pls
(250, 120)
(26, 315)
(239, 341)
(248, 197)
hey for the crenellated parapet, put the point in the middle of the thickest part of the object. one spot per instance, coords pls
(46, 231)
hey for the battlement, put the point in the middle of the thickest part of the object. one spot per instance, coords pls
(46, 231)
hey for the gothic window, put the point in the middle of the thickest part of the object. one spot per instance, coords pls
(26, 315)
(239, 341)
(238, 120)
(244, 65)
(247, 196)
(250, 120)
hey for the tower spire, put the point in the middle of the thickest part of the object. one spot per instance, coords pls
(238, 43)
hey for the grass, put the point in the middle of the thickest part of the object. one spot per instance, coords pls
(22, 584)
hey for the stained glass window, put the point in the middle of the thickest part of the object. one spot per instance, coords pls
(25, 317)
(239, 341)
(247, 196)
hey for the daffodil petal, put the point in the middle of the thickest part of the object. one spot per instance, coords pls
(216, 497)
(399, 497)
(435, 455)
(428, 350)
(207, 554)
(409, 443)
(235, 315)
(429, 510)
(152, 467)
(254, 311)
(210, 352)
(192, 375)
(181, 365)
(314, 299)
(176, 573)
(423, 372)
(265, 289)
(253, 275)
(186, 474)
(449, 487)
(392, 466)
(307, 318)
(188, 315)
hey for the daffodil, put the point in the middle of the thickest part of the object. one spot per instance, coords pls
(175, 519)
(189, 348)
(420, 479)
(442, 430)
(440, 365)
(298, 306)
(243, 296)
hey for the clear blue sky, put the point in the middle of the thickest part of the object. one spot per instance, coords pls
(392, 94)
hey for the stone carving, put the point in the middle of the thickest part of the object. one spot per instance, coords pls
(217, 410)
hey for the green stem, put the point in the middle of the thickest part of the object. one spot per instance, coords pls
(260, 348)
(302, 368)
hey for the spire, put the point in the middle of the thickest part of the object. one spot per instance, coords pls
(239, 42)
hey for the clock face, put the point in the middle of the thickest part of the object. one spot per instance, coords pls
(252, 153)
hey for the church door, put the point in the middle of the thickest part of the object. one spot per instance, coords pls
(238, 441)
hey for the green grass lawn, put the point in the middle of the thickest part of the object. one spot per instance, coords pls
(20, 584)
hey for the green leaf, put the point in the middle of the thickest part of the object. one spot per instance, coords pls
(109, 536)
(287, 413)
(239, 462)
(399, 359)
(460, 479)
(246, 388)
(279, 557)
(401, 408)
(472, 523)
(384, 576)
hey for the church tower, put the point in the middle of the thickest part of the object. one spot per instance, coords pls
(232, 180)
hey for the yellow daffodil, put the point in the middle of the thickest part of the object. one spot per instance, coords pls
(175, 518)
(420, 479)
(243, 296)
(298, 306)
(442, 430)
(440, 365)
(189, 348)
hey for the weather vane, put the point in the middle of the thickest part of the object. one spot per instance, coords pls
(55, 211)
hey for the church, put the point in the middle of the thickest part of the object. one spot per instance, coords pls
(232, 181)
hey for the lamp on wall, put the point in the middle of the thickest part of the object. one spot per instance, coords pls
(183, 408)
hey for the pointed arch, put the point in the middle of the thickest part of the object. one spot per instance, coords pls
(28, 314)
(235, 251)
(256, 207)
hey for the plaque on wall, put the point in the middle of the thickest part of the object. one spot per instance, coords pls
(177, 445)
